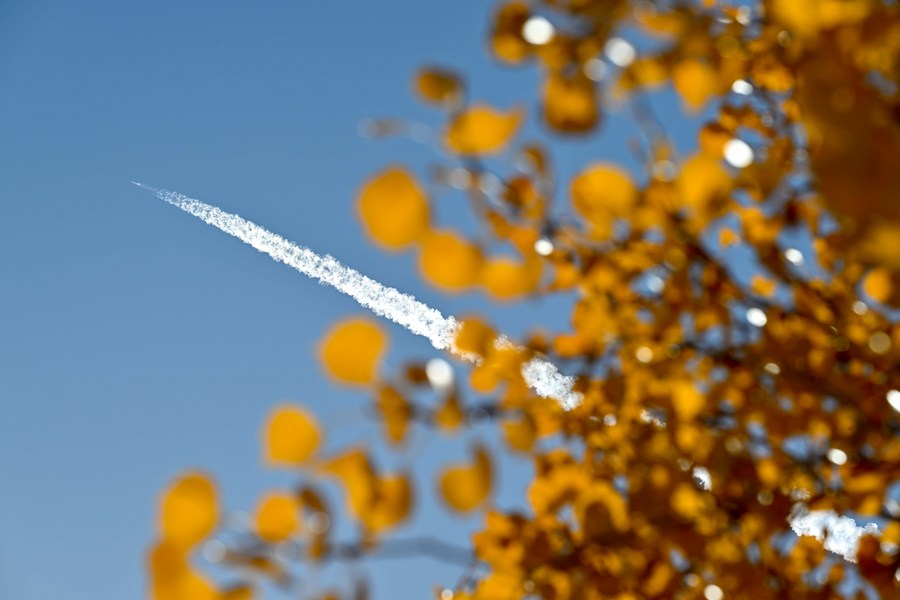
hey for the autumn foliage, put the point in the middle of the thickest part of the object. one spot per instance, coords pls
(733, 320)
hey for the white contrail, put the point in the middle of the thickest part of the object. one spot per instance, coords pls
(542, 376)
(840, 535)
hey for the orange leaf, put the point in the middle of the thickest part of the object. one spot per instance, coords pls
(687, 501)
(450, 262)
(291, 436)
(475, 337)
(877, 284)
(570, 103)
(506, 279)
(604, 188)
(171, 577)
(395, 412)
(352, 351)
(482, 130)
(465, 487)
(393, 208)
(189, 510)
(392, 503)
(695, 81)
(438, 86)
(687, 400)
(277, 517)
(702, 181)
(520, 433)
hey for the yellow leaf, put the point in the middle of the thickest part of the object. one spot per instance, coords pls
(646, 71)
(520, 433)
(352, 351)
(395, 412)
(481, 130)
(239, 592)
(728, 237)
(658, 580)
(762, 286)
(877, 284)
(802, 16)
(881, 243)
(277, 517)
(687, 501)
(506, 41)
(189, 510)
(392, 503)
(475, 337)
(465, 487)
(171, 577)
(449, 415)
(687, 400)
(702, 181)
(438, 86)
(713, 137)
(291, 436)
(393, 208)
(354, 470)
(603, 189)
(506, 279)
(570, 103)
(695, 81)
(450, 262)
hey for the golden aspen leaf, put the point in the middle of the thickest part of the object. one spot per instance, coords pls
(291, 436)
(687, 501)
(189, 510)
(465, 487)
(474, 337)
(599, 509)
(713, 137)
(449, 415)
(171, 577)
(880, 244)
(762, 286)
(352, 351)
(167, 563)
(239, 592)
(696, 81)
(481, 130)
(277, 517)
(506, 40)
(450, 262)
(702, 181)
(878, 285)
(659, 579)
(687, 400)
(801, 16)
(728, 237)
(570, 103)
(348, 465)
(395, 412)
(393, 208)
(392, 504)
(768, 472)
(438, 86)
(603, 189)
(520, 433)
(506, 279)
(646, 71)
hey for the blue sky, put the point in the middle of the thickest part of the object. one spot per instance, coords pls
(136, 342)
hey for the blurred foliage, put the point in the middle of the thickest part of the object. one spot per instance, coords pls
(729, 306)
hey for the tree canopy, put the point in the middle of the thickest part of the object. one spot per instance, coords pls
(733, 322)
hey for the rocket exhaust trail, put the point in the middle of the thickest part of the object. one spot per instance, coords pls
(542, 376)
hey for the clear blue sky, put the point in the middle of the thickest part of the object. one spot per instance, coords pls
(136, 342)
